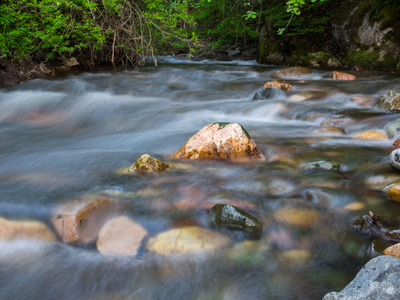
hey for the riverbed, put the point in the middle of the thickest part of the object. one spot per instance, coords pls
(65, 137)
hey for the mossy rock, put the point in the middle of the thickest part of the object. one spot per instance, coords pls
(231, 217)
(145, 163)
(389, 101)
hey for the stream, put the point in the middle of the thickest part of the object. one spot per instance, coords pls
(65, 137)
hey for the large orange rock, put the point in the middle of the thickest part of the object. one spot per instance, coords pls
(25, 229)
(337, 75)
(121, 236)
(291, 72)
(393, 251)
(221, 141)
(79, 221)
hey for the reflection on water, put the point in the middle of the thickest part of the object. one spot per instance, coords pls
(66, 137)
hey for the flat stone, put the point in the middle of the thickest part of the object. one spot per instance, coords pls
(371, 135)
(79, 220)
(121, 236)
(363, 100)
(301, 97)
(187, 240)
(337, 75)
(341, 123)
(330, 130)
(25, 229)
(291, 72)
(279, 84)
(221, 141)
(378, 279)
(302, 217)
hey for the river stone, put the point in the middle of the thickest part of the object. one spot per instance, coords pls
(389, 101)
(363, 100)
(279, 84)
(396, 143)
(394, 193)
(341, 123)
(25, 229)
(393, 250)
(393, 128)
(291, 72)
(330, 130)
(187, 240)
(121, 236)
(394, 159)
(267, 93)
(337, 75)
(301, 217)
(79, 221)
(371, 135)
(221, 141)
(146, 163)
(378, 279)
(229, 216)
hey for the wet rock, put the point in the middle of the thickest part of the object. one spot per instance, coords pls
(396, 143)
(301, 97)
(337, 75)
(121, 236)
(330, 130)
(393, 250)
(301, 217)
(341, 123)
(267, 93)
(79, 221)
(394, 192)
(378, 279)
(221, 141)
(389, 101)
(229, 216)
(145, 163)
(371, 135)
(295, 256)
(279, 84)
(364, 100)
(25, 229)
(379, 182)
(322, 164)
(187, 240)
(291, 72)
(248, 252)
(394, 159)
(280, 186)
(393, 128)
(354, 206)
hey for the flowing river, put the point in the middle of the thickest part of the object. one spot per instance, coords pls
(66, 137)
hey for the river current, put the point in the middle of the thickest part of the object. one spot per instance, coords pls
(65, 137)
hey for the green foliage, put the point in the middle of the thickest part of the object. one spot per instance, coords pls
(47, 27)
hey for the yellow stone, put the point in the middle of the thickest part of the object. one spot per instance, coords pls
(296, 256)
(393, 251)
(25, 229)
(301, 217)
(354, 206)
(371, 135)
(187, 240)
(394, 192)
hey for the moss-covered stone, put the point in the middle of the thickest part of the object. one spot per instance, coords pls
(229, 216)
(389, 101)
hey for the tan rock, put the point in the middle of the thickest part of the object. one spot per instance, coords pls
(221, 141)
(371, 135)
(341, 123)
(337, 75)
(296, 256)
(394, 192)
(279, 84)
(187, 240)
(300, 97)
(393, 251)
(79, 221)
(354, 206)
(364, 100)
(146, 163)
(121, 236)
(291, 72)
(25, 229)
(330, 130)
(301, 217)
(397, 143)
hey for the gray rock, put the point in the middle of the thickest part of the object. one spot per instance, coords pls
(378, 279)
(394, 159)
(389, 101)
(393, 128)
(268, 93)
(233, 52)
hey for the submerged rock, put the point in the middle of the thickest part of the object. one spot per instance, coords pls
(341, 123)
(371, 135)
(121, 236)
(394, 159)
(389, 101)
(301, 217)
(378, 279)
(221, 141)
(279, 84)
(337, 75)
(364, 100)
(393, 128)
(291, 72)
(25, 229)
(394, 192)
(229, 216)
(79, 221)
(267, 93)
(145, 163)
(187, 240)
